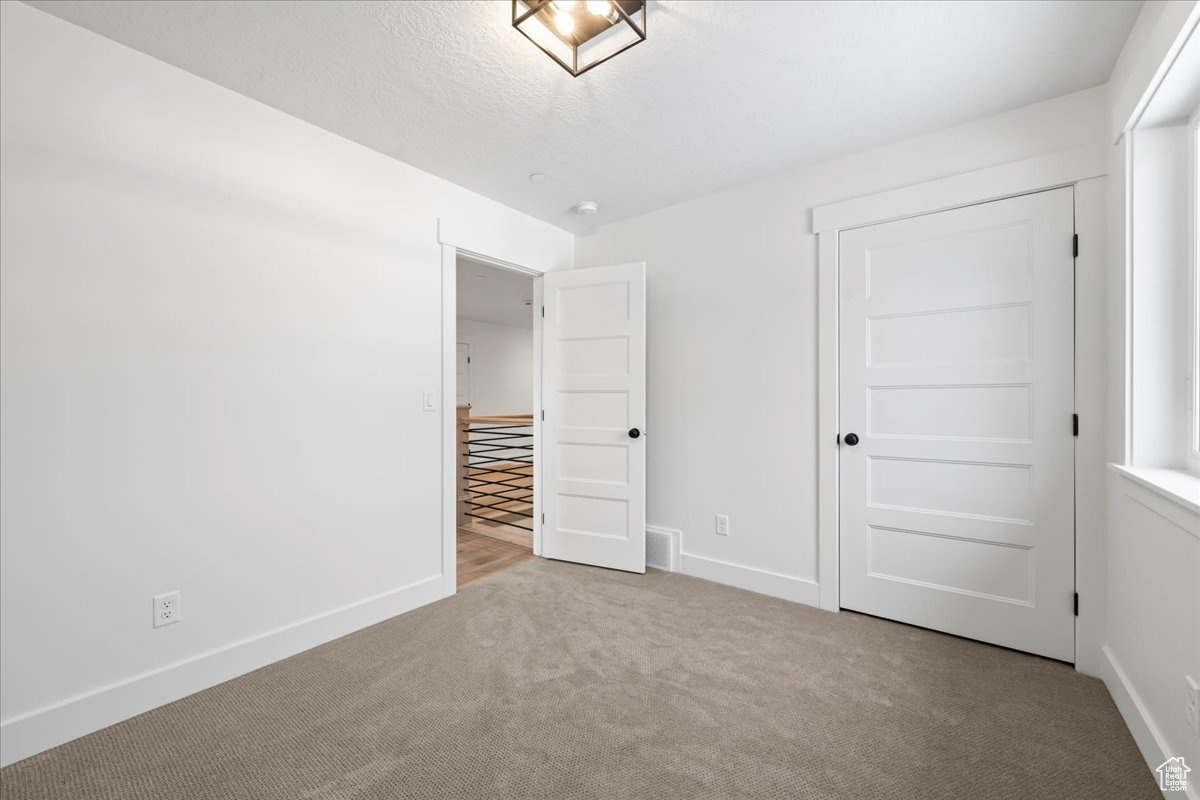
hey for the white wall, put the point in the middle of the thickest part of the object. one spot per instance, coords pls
(732, 337)
(217, 324)
(1153, 580)
(501, 367)
(1154, 617)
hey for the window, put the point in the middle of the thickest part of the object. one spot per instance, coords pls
(1162, 163)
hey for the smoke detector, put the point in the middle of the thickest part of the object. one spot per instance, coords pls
(586, 209)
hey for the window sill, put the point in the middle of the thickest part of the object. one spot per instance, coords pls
(1175, 485)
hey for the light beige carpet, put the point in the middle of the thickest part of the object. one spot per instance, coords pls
(557, 681)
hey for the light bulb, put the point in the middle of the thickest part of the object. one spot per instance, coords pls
(600, 8)
(564, 22)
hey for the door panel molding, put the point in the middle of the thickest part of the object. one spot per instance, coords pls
(941, 566)
(593, 463)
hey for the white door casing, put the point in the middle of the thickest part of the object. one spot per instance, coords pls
(463, 372)
(956, 373)
(594, 395)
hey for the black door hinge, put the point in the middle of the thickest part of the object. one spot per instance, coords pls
(543, 312)
(544, 522)
(543, 415)
(1075, 246)
(1077, 604)
(468, 359)
(839, 438)
(1075, 424)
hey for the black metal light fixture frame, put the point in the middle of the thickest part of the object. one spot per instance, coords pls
(631, 13)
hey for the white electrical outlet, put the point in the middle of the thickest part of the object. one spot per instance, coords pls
(722, 525)
(1192, 707)
(167, 609)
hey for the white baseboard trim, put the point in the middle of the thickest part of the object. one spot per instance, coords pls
(31, 733)
(1146, 734)
(798, 590)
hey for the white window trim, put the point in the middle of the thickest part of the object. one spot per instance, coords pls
(1193, 379)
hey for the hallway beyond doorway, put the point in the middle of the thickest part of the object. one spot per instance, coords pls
(480, 555)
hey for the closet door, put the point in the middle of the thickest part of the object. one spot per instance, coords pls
(956, 408)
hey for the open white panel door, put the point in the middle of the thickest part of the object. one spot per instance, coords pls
(594, 397)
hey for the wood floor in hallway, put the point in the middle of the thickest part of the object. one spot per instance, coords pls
(480, 556)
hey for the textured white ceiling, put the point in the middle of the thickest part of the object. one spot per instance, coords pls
(491, 294)
(721, 93)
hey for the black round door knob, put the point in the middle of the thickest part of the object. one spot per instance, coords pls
(634, 433)
(851, 439)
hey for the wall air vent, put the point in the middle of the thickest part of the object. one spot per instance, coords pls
(662, 548)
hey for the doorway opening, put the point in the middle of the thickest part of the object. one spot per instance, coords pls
(495, 451)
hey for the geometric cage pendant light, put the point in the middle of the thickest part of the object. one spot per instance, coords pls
(581, 34)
